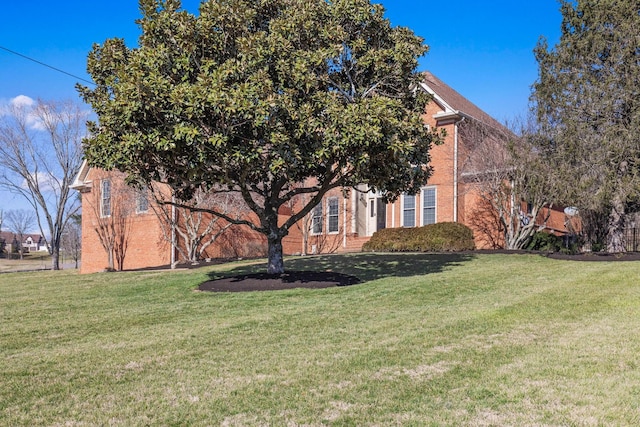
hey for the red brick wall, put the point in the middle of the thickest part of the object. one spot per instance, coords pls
(146, 246)
(149, 247)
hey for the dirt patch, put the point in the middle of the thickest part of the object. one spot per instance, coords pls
(274, 282)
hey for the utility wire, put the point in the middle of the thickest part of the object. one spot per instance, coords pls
(47, 65)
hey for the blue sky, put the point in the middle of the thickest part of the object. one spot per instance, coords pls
(483, 49)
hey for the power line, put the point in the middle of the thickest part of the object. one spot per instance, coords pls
(47, 65)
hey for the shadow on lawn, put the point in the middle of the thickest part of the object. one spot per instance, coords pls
(364, 266)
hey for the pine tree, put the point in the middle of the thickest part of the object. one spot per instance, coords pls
(587, 99)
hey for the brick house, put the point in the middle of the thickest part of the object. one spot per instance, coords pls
(343, 222)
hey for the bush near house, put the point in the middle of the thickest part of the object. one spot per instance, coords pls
(545, 242)
(440, 237)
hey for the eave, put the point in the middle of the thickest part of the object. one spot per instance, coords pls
(80, 183)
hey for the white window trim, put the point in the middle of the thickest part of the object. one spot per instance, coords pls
(415, 211)
(102, 199)
(328, 216)
(423, 200)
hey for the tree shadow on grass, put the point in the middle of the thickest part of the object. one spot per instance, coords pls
(365, 266)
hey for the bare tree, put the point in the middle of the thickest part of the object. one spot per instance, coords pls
(40, 155)
(20, 222)
(514, 184)
(196, 230)
(72, 238)
(112, 204)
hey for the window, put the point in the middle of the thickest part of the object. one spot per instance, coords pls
(428, 205)
(333, 218)
(408, 210)
(142, 201)
(316, 219)
(105, 198)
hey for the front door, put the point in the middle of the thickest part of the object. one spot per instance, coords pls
(376, 214)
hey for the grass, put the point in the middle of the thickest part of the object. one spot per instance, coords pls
(31, 261)
(426, 340)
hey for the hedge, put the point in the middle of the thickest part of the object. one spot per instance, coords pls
(440, 237)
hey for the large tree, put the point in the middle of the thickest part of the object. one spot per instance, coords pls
(258, 96)
(587, 99)
(40, 155)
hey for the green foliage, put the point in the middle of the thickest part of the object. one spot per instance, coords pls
(440, 237)
(587, 100)
(260, 96)
(545, 242)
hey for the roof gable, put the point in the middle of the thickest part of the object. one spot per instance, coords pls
(453, 102)
(81, 182)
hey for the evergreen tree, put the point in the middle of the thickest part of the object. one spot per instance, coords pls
(272, 99)
(587, 99)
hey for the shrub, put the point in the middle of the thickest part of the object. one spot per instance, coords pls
(440, 237)
(546, 242)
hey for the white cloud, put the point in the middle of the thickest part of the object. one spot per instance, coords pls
(24, 106)
(22, 101)
(45, 182)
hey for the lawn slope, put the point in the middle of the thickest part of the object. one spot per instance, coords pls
(425, 340)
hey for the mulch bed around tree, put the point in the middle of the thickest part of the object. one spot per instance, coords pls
(273, 282)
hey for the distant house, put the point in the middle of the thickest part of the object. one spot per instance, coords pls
(342, 222)
(35, 243)
(30, 243)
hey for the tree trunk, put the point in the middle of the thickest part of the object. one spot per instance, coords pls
(55, 258)
(615, 228)
(110, 265)
(276, 261)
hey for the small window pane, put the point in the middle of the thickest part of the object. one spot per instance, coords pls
(333, 207)
(409, 211)
(316, 221)
(105, 198)
(429, 206)
(142, 201)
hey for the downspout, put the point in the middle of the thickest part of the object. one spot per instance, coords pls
(354, 211)
(173, 233)
(455, 173)
(344, 222)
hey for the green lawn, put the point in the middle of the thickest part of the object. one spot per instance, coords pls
(427, 340)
